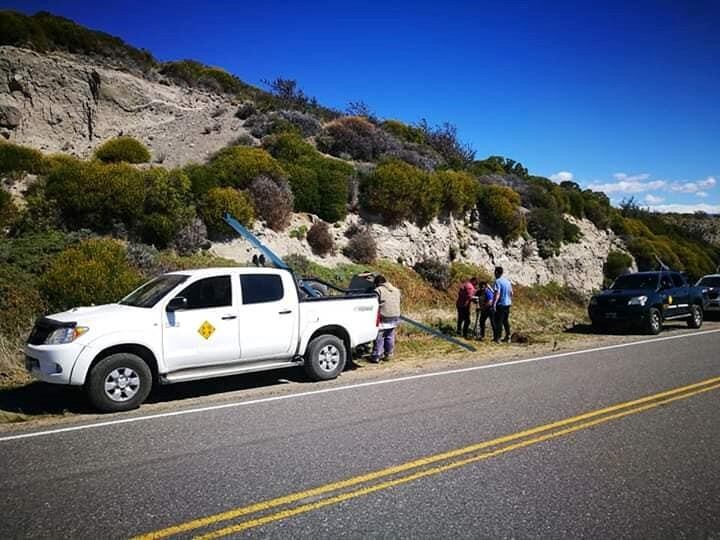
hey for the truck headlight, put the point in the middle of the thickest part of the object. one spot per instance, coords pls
(637, 301)
(65, 335)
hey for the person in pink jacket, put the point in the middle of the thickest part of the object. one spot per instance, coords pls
(464, 300)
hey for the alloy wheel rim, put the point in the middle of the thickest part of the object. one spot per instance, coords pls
(122, 384)
(329, 358)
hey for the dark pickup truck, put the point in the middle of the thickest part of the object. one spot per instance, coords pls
(646, 300)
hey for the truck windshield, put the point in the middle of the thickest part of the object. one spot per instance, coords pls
(636, 281)
(710, 281)
(153, 291)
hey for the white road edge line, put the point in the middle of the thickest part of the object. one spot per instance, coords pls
(350, 387)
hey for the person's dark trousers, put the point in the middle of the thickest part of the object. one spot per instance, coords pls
(463, 322)
(502, 320)
(485, 315)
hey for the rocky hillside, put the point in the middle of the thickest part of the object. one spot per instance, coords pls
(416, 191)
(58, 102)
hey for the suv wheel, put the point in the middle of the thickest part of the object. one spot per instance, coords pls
(696, 316)
(119, 382)
(325, 357)
(653, 324)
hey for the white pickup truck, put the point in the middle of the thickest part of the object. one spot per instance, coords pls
(198, 324)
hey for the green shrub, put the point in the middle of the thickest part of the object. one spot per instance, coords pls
(15, 158)
(546, 226)
(221, 200)
(95, 195)
(597, 208)
(195, 74)
(616, 264)
(320, 239)
(500, 210)
(460, 191)
(238, 166)
(571, 232)
(8, 210)
(123, 149)
(434, 272)
(403, 131)
(167, 206)
(398, 191)
(20, 300)
(32, 252)
(319, 184)
(93, 272)
(201, 178)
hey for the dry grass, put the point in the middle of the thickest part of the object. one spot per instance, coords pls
(12, 369)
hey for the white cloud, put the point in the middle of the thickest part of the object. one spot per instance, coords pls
(687, 208)
(701, 194)
(562, 176)
(629, 186)
(622, 177)
(707, 183)
(652, 199)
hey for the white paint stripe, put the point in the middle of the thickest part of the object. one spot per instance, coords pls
(351, 386)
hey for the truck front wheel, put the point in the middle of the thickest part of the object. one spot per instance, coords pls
(119, 382)
(653, 325)
(696, 316)
(325, 357)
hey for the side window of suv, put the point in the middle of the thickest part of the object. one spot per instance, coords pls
(678, 280)
(666, 282)
(209, 293)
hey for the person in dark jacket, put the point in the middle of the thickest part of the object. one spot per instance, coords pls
(485, 299)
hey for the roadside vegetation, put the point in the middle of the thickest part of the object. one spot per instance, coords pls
(88, 231)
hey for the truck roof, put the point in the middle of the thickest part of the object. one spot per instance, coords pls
(226, 270)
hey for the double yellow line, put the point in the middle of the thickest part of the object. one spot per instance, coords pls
(329, 494)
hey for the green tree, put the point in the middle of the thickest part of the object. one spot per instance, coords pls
(238, 166)
(221, 200)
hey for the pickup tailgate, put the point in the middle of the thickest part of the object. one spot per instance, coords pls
(357, 314)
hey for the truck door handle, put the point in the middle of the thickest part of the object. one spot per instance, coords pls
(286, 312)
(229, 317)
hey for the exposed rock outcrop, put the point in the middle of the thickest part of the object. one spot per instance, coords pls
(578, 265)
(59, 102)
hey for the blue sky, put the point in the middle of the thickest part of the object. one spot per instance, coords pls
(620, 96)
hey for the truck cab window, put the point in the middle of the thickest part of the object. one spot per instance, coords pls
(261, 288)
(208, 293)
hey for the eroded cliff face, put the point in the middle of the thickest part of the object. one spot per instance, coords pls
(579, 265)
(63, 103)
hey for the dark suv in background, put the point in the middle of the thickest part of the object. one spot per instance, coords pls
(710, 286)
(645, 300)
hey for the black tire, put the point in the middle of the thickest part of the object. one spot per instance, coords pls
(325, 357)
(696, 317)
(131, 377)
(653, 324)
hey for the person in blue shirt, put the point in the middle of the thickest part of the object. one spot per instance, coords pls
(485, 300)
(502, 302)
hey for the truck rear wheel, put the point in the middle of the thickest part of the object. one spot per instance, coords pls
(653, 325)
(325, 357)
(696, 317)
(119, 382)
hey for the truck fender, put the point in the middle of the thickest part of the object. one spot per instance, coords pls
(318, 330)
(115, 340)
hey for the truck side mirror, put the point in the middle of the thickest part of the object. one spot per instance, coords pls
(177, 303)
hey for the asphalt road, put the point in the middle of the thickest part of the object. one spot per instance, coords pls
(554, 447)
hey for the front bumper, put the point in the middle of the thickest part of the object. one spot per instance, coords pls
(52, 363)
(619, 314)
(713, 305)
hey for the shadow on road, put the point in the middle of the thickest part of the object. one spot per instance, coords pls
(40, 398)
(618, 330)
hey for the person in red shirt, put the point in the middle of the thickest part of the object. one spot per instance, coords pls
(464, 301)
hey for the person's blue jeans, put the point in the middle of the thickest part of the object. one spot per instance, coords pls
(384, 344)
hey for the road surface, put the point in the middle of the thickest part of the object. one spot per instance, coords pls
(623, 441)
